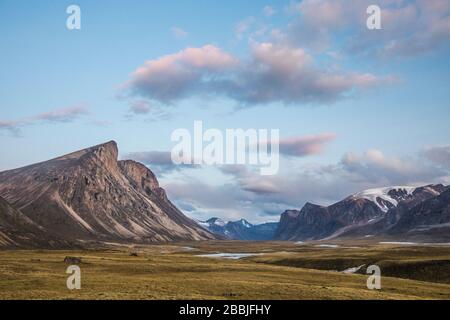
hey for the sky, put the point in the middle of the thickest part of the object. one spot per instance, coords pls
(356, 108)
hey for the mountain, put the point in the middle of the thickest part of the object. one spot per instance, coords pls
(370, 212)
(90, 195)
(430, 217)
(241, 229)
(214, 225)
(18, 231)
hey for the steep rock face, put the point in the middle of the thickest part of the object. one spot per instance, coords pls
(370, 212)
(417, 196)
(90, 195)
(140, 177)
(425, 216)
(314, 222)
(388, 224)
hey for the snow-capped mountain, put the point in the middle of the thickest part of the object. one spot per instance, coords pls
(240, 230)
(372, 211)
(400, 212)
(389, 197)
(386, 198)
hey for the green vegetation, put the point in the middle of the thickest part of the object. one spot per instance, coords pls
(283, 271)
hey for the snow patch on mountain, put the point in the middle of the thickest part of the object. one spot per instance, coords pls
(245, 223)
(217, 222)
(380, 196)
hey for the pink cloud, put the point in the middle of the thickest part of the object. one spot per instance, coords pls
(62, 115)
(171, 76)
(273, 73)
(305, 146)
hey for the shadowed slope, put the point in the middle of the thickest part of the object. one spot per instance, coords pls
(17, 230)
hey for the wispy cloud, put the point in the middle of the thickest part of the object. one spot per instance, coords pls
(244, 26)
(268, 11)
(439, 155)
(140, 107)
(62, 115)
(13, 127)
(152, 112)
(303, 146)
(178, 32)
(409, 28)
(101, 123)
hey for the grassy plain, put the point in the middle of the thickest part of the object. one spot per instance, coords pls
(281, 271)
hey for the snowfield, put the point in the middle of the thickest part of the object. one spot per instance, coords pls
(382, 193)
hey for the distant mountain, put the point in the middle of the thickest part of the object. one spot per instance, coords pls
(430, 217)
(89, 195)
(241, 229)
(384, 212)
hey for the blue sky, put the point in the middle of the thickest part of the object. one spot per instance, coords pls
(308, 68)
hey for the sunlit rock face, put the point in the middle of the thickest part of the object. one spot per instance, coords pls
(89, 195)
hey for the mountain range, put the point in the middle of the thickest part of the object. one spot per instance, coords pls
(402, 212)
(241, 229)
(89, 195)
(399, 212)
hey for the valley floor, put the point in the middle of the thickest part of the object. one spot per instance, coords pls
(279, 270)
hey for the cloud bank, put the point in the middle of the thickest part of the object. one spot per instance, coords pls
(262, 198)
(409, 27)
(273, 73)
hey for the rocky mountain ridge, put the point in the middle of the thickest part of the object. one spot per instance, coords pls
(90, 195)
(240, 229)
(375, 212)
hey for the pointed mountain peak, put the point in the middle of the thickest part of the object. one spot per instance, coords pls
(110, 144)
(310, 206)
(291, 213)
(216, 221)
(109, 148)
(245, 223)
(106, 152)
